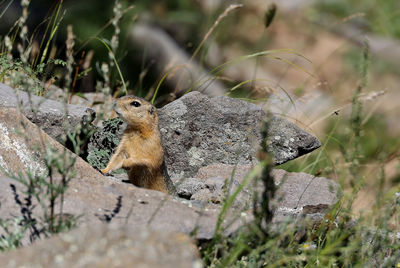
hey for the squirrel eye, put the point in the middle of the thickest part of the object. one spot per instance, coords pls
(135, 103)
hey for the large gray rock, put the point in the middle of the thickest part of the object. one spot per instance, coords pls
(302, 193)
(52, 116)
(90, 194)
(198, 131)
(103, 246)
(187, 187)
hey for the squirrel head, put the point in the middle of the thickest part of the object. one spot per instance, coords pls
(136, 112)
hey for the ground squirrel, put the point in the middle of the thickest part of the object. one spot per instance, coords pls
(140, 151)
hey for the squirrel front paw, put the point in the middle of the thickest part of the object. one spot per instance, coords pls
(104, 171)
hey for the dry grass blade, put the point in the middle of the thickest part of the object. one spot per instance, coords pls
(220, 18)
(6, 8)
(366, 98)
(70, 58)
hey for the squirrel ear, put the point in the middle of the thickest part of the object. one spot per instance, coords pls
(152, 110)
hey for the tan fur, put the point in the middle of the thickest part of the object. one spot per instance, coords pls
(140, 151)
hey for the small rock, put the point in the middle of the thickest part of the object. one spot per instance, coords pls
(207, 196)
(297, 193)
(215, 183)
(302, 193)
(220, 177)
(187, 187)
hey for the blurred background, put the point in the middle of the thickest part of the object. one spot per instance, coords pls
(301, 59)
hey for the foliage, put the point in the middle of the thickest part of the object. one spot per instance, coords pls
(106, 141)
(41, 196)
(381, 17)
(46, 189)
(340, 239)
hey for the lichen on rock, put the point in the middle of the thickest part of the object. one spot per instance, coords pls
(104, 141)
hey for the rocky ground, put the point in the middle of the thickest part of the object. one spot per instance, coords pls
(210, 145)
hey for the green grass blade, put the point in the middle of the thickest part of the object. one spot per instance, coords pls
(115, 62)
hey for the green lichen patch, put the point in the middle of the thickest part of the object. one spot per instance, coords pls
(104, 141)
